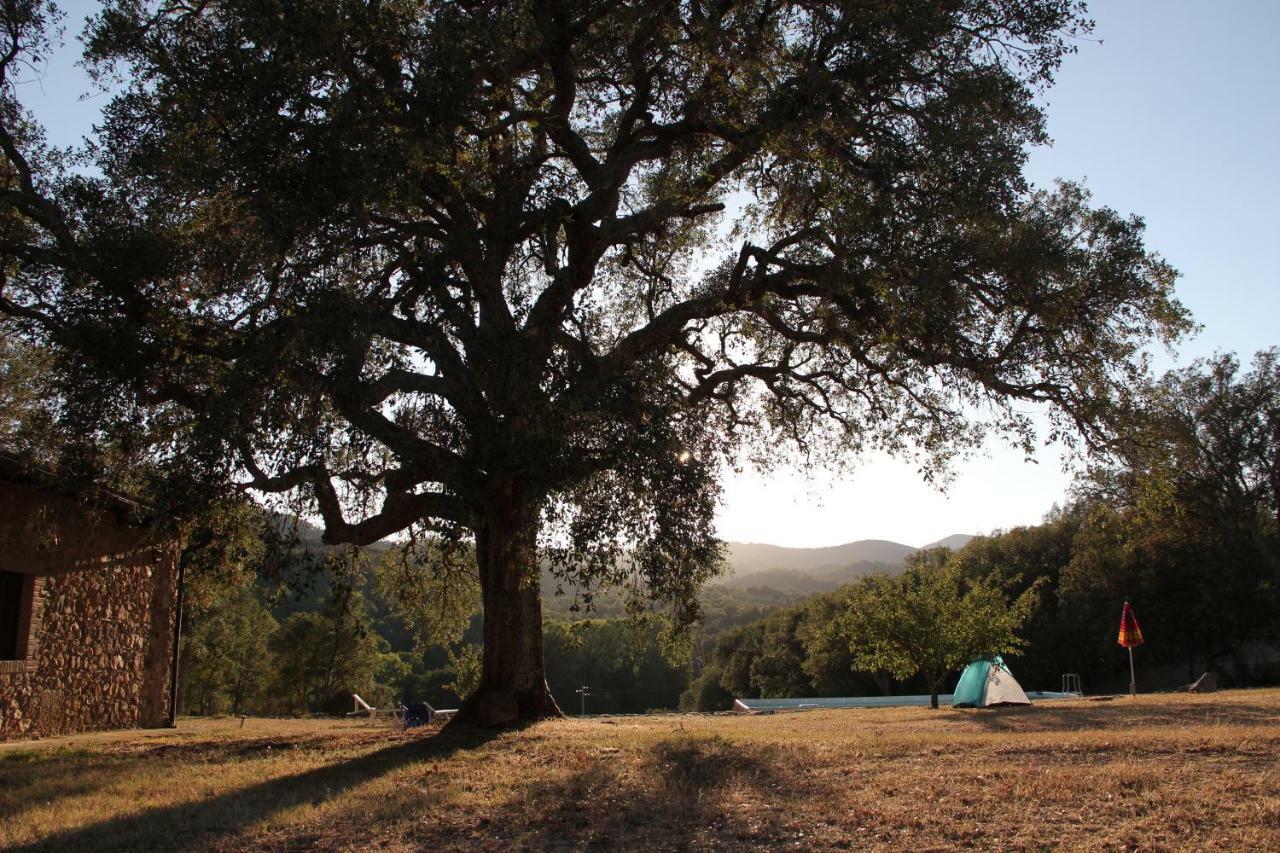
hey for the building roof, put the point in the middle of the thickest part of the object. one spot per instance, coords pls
(53, 525)
(14, 469)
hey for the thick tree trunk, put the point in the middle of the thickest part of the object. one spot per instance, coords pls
(513, 683)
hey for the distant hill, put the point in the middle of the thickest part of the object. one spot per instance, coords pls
(792, 581)
(811, 570)
(752, 565)
(748, 557)
(955, 542)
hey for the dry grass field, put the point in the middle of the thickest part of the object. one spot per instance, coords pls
(1159, 772)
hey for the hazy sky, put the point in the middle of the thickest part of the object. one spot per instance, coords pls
(1174, 116)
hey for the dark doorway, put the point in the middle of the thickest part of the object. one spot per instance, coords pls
(12, 587)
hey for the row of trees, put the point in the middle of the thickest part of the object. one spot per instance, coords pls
(1182, 518)
(304, 646)
(238, 658)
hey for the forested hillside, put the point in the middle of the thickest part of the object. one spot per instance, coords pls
(812, 570)
(1182, 518)
(303, 640)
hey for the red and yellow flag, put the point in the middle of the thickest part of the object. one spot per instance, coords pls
(1130, 633)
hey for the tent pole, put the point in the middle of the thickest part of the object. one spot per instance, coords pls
(1133, 681)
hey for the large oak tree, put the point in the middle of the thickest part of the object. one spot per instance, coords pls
(530, 274)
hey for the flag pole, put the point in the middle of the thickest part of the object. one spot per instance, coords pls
(1130, 636)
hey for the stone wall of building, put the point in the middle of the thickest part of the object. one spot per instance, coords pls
(103, 659)
(102, 636)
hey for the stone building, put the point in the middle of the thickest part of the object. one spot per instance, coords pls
(88, 600)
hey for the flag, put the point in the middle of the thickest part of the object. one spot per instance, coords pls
(1130, 633)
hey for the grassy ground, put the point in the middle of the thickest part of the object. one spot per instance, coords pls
(1158, 772)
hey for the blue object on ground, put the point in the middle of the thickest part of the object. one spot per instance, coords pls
(417, 714)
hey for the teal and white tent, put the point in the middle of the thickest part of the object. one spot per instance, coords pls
(988, 682)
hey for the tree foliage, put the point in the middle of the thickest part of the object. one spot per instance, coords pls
(931, 621)
(1186, 513)
(791, 651)
(1204, 440)
(621, 661)
(25, 416)
(432, 586)
(1017, 558)
(325, 656)
(227, 666)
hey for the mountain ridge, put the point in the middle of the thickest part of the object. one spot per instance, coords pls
(756, 564)
(779, 567)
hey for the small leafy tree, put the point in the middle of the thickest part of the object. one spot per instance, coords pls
(324, 656)
(826, 661)
(228, 665)
(930, 621)
(467, 663)
(1055, 633)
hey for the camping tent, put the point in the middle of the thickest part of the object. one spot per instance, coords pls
(985, 683)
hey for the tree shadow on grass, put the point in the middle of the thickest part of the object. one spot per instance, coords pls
(56, 775)
(683, 793)
(212, 822)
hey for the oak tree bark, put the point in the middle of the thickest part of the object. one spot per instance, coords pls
(513, 683)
